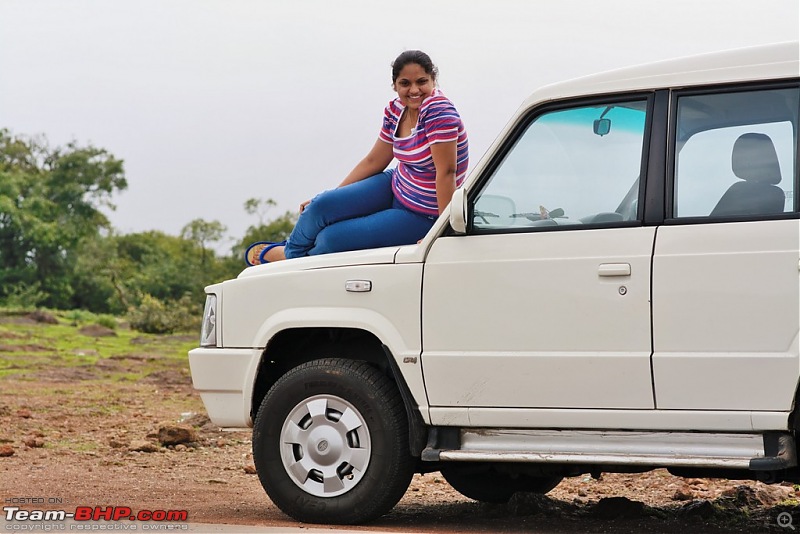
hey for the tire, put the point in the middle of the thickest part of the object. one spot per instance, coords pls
(330, 443)
(482, 482)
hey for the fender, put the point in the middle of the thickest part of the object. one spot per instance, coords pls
(397, 349)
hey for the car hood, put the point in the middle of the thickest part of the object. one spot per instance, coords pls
(325, 261)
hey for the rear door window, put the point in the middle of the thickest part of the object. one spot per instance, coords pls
(735, 154)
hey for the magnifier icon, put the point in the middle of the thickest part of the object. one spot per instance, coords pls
(785, 520)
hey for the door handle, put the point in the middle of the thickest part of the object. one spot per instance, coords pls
(614, 269)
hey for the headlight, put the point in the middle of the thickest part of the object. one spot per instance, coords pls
(208, 333)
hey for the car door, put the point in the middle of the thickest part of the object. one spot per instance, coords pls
(726, 297)
(545, 302)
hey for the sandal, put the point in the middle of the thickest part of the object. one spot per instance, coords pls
(254, 255)
(268, 248)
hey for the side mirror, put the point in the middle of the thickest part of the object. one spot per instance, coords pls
(458, 211)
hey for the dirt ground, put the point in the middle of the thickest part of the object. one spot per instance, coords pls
(68, 440)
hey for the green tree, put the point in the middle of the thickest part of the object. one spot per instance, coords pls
(259, 207)
(100, 277)
(58, 250)
(121, 273)
(49, 204)
(201, 233)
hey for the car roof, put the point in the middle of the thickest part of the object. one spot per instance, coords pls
(765, 62)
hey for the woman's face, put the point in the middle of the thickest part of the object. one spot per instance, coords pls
(413, 85)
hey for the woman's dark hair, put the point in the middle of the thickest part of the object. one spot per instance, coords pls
(414, 56)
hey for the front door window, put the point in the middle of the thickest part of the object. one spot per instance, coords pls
(570, 167)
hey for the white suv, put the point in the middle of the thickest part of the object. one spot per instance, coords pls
(615, 288)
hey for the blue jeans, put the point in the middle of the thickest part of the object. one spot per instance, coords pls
(357, 216)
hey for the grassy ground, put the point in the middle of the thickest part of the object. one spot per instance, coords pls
(71, 370)
(83, 345)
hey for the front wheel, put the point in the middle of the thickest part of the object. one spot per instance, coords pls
(484, 483)
(330, 443)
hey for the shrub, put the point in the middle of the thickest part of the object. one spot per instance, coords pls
(109, 321)
(24, 295)
(154, 316)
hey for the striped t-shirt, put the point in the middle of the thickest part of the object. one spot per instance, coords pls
(414, 179)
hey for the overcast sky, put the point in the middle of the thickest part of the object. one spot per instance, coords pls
(212, 102)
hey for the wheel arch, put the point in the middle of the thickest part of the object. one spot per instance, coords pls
(295, 346)
(291, 347)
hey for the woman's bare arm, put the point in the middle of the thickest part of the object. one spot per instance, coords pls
(445, 160)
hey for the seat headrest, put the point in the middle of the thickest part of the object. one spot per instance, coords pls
(754, 159)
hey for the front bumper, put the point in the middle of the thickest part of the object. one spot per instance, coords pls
(220, 377)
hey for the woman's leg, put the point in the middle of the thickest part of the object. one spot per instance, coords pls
(362, 198)
(395, 226)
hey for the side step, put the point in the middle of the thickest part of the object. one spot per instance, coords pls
(770, 451)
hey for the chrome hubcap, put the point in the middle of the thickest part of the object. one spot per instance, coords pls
(325, 445)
